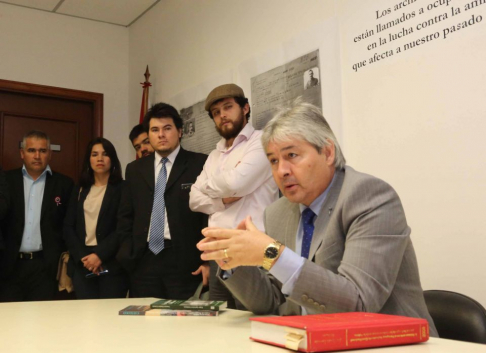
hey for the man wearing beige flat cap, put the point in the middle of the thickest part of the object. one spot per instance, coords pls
(236, 180)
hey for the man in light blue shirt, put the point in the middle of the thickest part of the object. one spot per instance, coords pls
(33, 228)
(33, 194)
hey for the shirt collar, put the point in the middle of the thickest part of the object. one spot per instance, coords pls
(171, 157)
(316, 205)
(26, 173)
(244, 135)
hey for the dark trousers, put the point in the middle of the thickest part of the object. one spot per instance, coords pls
(29, 281)
(111, 285)
(158, 276)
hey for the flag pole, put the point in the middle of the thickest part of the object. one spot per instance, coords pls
(145, 85)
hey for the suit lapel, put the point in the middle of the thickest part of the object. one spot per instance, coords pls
(48, 195)
(81, 197)
(106, 202)
(148, 170)
(326, 212)
(19, 186)
(180, 165)
(291, 225)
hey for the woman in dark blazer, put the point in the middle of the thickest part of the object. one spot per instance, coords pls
(90, 226)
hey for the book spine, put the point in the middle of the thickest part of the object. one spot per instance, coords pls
(189, 313)
(131, 313)
(185, 307)
(197, 307)
(367, 337)
(160, 306)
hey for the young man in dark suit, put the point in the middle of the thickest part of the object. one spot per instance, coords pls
(32, 230)
(159, 232)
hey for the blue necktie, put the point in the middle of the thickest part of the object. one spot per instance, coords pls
(308, 225)
(157, 224)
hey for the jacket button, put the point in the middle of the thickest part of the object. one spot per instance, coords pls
(305, 297)
(145, 229)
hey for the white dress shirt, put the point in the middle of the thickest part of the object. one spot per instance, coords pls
(241, 170)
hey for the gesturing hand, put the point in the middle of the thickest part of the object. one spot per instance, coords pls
(230, 248)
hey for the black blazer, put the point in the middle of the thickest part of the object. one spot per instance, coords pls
(136, 209)
(3, 205)
(106, 236)
(57, 192)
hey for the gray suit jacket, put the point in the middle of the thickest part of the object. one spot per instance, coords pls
(362, 258)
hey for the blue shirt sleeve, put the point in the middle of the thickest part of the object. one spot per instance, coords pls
(287, 269)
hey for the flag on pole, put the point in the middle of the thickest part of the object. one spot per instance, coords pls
(145, 95)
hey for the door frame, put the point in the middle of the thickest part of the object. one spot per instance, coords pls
(96, 99)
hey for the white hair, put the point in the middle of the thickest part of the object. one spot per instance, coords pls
(303, 121)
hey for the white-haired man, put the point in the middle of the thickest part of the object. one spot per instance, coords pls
(337, 242)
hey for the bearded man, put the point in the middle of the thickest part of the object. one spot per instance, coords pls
(236, 180)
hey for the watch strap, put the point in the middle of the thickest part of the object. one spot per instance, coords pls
(267, 261)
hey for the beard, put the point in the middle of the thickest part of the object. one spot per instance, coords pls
(233, 129)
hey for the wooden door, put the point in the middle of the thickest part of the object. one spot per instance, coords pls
(71, 119)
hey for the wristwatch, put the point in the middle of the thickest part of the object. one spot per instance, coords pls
(270, 254)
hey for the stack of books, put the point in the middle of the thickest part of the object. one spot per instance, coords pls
(168, 307)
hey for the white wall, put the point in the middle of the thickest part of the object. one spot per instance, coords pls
(184, 42)
(415, 120)
(43, 48)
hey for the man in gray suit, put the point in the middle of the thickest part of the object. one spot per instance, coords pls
(337, 242)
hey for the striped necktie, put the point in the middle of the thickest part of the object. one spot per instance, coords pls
(308, 225)
(157, 223)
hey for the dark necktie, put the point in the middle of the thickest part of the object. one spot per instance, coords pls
(308, 225)
(157, 224)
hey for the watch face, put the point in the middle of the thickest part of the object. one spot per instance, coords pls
(271, 252)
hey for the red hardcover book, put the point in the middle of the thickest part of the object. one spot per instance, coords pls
(336, 332)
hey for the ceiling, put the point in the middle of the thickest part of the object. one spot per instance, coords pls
(116, 12)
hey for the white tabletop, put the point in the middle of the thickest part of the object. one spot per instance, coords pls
(95, 326)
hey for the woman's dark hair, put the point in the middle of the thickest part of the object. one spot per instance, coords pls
(87, 177)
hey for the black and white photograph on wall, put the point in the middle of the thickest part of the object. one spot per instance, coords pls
(282, 84)
(189, 128)
(311, 78)
(198, 132)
